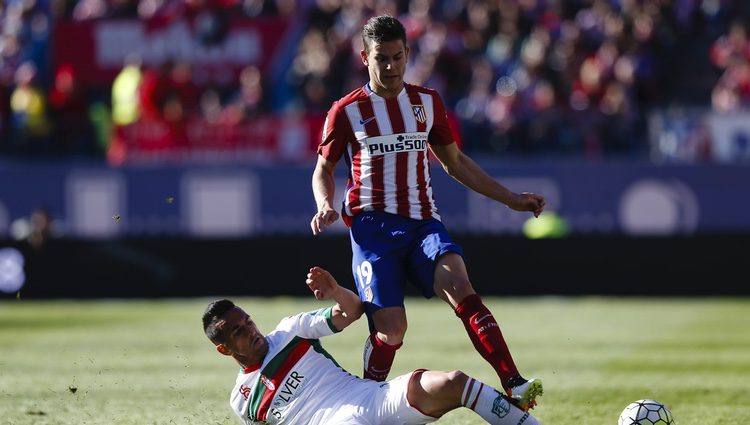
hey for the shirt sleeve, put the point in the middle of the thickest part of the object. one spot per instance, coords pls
(313, 324)
(337, 133)
(440, 134)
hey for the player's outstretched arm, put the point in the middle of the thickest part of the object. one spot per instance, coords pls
(348, 308)
(323, 189)
(470, 174)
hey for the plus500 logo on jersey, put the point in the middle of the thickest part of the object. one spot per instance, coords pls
(405, 142)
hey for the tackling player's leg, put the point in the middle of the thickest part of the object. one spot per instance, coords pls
(435, 393)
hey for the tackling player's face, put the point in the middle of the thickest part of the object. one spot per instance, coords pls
(386, 64)
(242, 338)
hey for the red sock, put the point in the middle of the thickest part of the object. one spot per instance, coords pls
(378, 358)
(485, 334)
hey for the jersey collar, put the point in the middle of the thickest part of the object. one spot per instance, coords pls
(369, 91)
(252, 368)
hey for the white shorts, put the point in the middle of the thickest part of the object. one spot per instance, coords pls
(379, 403)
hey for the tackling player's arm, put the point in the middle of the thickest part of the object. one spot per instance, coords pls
(348, 306)
(323, 189)
(467, 172)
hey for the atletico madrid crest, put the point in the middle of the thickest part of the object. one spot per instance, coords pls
(419, 113)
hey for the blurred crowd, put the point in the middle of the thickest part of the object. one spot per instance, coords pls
(526, 77)
(541, 77)
(731, 54)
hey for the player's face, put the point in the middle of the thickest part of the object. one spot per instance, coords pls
(386, 64)
(242, 338)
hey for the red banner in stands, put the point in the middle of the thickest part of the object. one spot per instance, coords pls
(98, 49)
(282, 138)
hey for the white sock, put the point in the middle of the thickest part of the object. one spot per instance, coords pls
(492, 406)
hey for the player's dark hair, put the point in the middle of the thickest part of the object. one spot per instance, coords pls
(382, 28)
(213, 314)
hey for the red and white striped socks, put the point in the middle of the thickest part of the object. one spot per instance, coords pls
(470, 396)
(486, 402)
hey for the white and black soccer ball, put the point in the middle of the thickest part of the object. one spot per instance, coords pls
(646, 412)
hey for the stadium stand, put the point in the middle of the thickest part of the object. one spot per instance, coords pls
(545, 78)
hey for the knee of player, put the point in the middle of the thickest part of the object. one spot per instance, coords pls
(399, 329)
(393, 331)
(438, 390)
(457, 287)
(456, 375)
(455, 380)
(464, 286)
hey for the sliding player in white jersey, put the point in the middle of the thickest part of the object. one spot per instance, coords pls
(288, 378)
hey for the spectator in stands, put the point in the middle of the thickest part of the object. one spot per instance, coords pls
(38, 229)
(211, 109)
(124, 97)
(123, 9)
(248, 102)
(125, 107)
(310, 66)
(181, 102)
(182, 87)
(29, 107)
(153, 90)
(5, 113)
(731, 54)
(69, 107)
(730, 46)
(733, 89)
(90, 9)
(258, 8)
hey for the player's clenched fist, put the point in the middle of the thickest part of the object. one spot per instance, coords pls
(323, 285)
(323, 219)
(527, 201)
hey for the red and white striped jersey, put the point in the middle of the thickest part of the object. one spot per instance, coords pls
(385, 145)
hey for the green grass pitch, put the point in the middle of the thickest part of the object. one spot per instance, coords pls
(147, 362)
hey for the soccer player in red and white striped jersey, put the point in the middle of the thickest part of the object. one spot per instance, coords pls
(383, 131)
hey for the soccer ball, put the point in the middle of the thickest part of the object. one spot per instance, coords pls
(646, 412)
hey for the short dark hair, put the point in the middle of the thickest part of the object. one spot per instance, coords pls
(213, 314)
(382, 28)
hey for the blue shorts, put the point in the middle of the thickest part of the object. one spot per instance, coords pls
(388, 250)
